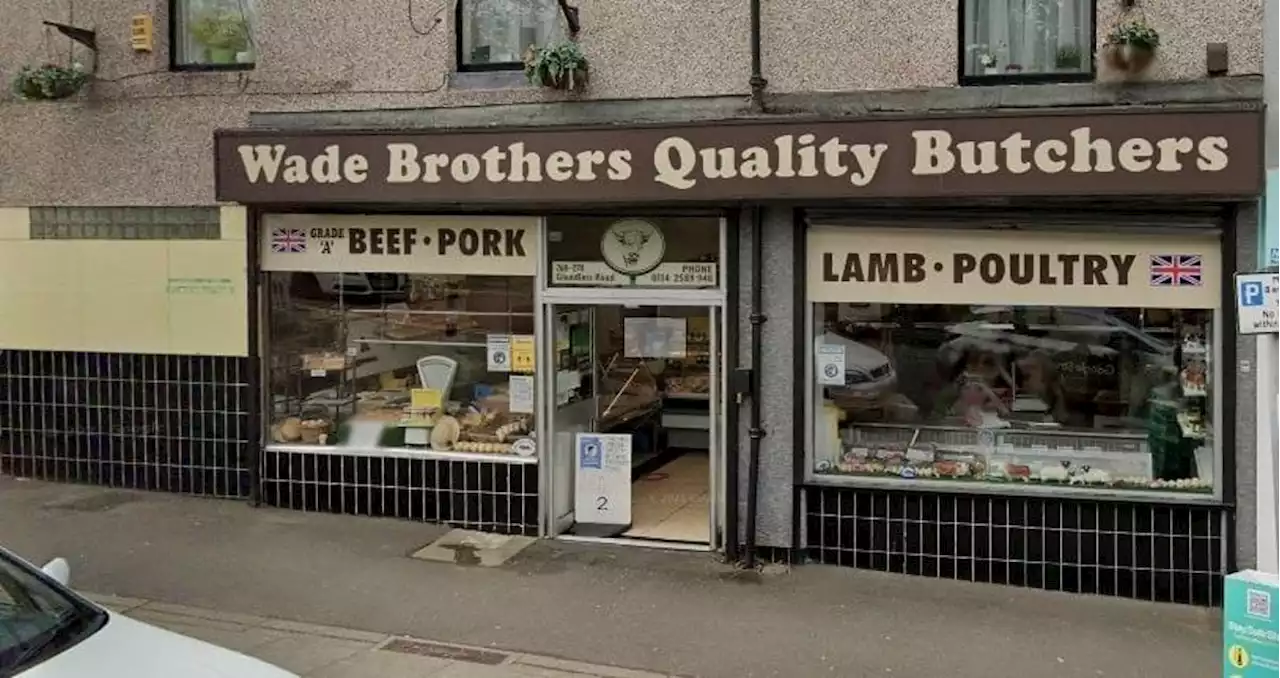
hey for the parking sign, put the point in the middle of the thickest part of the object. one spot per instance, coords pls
(1256, 302)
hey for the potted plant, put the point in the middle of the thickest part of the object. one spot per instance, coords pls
(49, 81)
(223, 34)
(1131, 46)
(987, 60)
(560, 66)
(1068, 58)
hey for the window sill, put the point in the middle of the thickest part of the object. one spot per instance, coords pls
(1011, 489)
(401, 453)
(210, 68)
(1024, 79)
(483, 80)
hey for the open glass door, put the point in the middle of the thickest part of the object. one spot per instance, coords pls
(571, 406)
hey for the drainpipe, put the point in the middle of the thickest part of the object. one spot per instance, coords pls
(756, 431)
(757, 81)
(732, 415)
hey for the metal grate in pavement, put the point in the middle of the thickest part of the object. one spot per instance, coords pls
(441, 651)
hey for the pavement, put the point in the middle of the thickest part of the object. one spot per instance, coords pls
(663, 612)
(315, 651)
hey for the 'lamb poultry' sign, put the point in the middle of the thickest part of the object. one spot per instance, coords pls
(1033, 268)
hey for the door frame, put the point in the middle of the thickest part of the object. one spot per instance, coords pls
(553, 525)
(547, 298)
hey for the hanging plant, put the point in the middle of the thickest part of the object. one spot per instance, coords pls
(1131, 46)
(49, 82)
(560, 66)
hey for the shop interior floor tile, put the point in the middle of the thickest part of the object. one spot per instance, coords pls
(673, 503)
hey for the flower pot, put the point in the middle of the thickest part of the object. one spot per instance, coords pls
(574, 80)
(1129, 58)
(30, 89)
(219, 55)
(991, 70)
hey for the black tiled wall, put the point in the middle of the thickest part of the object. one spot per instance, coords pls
(150, 422)
(1137, 550)
(480, 495)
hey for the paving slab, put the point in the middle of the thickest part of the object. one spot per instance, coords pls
(203, 613)
(527, 662)
(152, 616)
(469, 547)
(246, 641)
(305, 654)
(324, 630)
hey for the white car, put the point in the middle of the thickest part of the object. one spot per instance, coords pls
(867, 371)
(48, 631)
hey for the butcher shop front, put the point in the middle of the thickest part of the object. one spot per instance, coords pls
(984, 347)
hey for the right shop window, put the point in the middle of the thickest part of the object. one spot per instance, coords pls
(1107, 398)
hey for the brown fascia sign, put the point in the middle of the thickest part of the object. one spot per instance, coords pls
(1144, 153)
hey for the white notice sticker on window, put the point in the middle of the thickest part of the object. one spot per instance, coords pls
(830, 364)
(520, 392)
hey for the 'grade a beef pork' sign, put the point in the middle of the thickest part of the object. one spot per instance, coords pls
(1145, 153)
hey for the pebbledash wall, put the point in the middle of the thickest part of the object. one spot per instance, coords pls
(124, 350)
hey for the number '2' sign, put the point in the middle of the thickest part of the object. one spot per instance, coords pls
(602, 479)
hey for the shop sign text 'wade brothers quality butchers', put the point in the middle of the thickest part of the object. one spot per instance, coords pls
(1182, 153)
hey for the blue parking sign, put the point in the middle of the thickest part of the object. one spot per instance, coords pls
(1251, 293)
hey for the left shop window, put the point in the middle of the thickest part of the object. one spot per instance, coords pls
(410, 362)
(213, 34)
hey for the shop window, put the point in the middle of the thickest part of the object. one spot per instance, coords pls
(1106, 398)
(668, 252)
(495, 34)
(408, 362)
(1022, 41)
(212, 34)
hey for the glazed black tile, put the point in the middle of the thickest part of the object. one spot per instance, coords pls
(997, 572)
(1163, 521)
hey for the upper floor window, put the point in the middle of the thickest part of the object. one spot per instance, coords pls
(212, 34)
(494, 34)
(1026, 41)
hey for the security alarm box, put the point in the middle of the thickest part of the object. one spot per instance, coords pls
(142, 37)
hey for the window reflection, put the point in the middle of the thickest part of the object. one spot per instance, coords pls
(1091, 397)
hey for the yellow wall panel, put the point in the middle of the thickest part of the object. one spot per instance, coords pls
(125, 303)
(207, 310)
(40, 295)
(182, 297)
(15, 223)
(235, 222)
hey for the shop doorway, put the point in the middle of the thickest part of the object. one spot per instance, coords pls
(639, 385)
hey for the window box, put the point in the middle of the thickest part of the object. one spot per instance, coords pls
(1026, 41)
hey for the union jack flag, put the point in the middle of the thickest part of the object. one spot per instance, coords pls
(1176, 270)
(288, 240)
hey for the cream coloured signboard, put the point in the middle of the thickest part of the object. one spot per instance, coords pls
(445, 245)
(926, 266)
